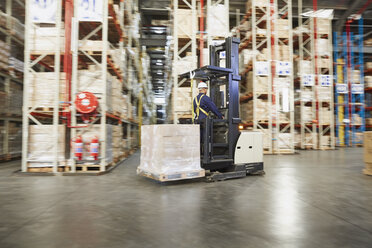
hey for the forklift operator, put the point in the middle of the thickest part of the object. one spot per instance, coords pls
(203, 104)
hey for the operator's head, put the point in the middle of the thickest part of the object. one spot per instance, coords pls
(203, 87)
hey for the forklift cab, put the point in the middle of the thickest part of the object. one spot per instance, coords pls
(226, 152)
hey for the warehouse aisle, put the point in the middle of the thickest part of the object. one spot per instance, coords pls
(317, 198)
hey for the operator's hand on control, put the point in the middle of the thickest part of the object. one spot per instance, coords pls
(223, 117)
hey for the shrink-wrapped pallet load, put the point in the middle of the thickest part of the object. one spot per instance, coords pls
(42, 89)
(184, 26)
(282, 28)
(218, 20)
(261, 83)
(44, 39)
(170, 152)
(41, 145)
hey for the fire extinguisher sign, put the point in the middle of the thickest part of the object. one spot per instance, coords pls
(90, 10)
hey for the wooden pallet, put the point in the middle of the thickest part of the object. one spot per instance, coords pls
(44, 169)
(172, 177)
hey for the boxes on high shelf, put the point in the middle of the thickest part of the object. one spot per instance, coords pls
(218, 20)
(41, 145)
(322, 47)
(185, 64)
(245, 26)
(356, 76)
(302, 67)
(44, 39)
(325, 63)
(260, 83)
(324, 26)
(42, 89)
(255, 3)
(17, 28)
(307, 115)
(368, 81)
(324, 93)
(305, 95)
(184, 26)
(356, 119)
(368, 65)
(325, 115)
(91, 45)
(282, 28)
(284, 53)
(168, 149)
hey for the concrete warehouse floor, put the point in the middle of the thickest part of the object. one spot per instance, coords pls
(314, 199)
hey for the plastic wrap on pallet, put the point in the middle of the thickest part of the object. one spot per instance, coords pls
(260, 85)
(15, 99)
(41, 144)
(184, 26)
(168, 149)
(15, 138)
(218, 20)
(185, 64)
(41, 91)
(285, 140)
(302, 67)
(324, 26)
(324, 93)
(44, 39)
(282, 28)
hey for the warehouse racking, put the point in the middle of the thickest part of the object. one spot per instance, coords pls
(314, 105)
(349, 93)
(184, 55)
(11, 75)
(102, 56)
(267, 55)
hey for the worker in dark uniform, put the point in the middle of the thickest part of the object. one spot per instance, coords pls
(202, 105)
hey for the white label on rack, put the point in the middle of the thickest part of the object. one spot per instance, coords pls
(342, 88)
(308, 80)
(262, 68)
(43, 11)
(357, 88)
(90, 10)
(283, 68)
(325, 80)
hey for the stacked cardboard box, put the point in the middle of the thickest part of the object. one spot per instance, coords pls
(40, 145)
(325, 115)
(117, 137)
(303, 67)
(166, 149)
(261, 83)
(15, 138)
(217, 20)
(4, 55)
(185, 64)
(356, 77)
(44, 39)
(325, 141)
(323, 26)
(307, 115)
(257, 3)
(184, 28)
(282, 28)
(285, 140)
(15, 99)
(42, 89)
(368, 153)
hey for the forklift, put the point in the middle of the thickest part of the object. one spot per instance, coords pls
(226, 151)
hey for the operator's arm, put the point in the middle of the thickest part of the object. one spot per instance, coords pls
(213, 107)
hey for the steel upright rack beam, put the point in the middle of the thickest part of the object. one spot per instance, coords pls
(356, 93)
(32, 113)
(341, 90)
(282, 76)
(183, 43)
(307, 81)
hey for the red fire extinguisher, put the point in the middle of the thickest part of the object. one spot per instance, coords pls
(78, 148)
(94, 148)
